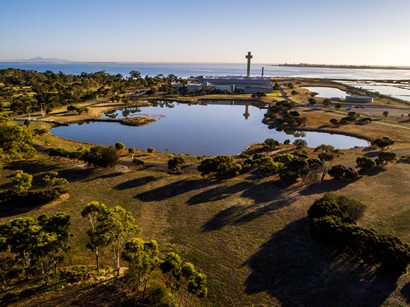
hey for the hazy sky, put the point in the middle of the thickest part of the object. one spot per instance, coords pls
(309, 31)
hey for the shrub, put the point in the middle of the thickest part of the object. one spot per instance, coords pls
(150, 150)
(385, 157)
(59, 152)
(382, 143)
(138, 162)
(288, 177)
(218, 166)
(365, 163)
(334, 121)
(175, 163)
(340, 172)
(102, 156)
(119, 146)
(348, 209)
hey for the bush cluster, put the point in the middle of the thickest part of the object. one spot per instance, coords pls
(332, 223)
(102, 156)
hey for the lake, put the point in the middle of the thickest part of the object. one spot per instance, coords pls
(327, 92)
(217, 128)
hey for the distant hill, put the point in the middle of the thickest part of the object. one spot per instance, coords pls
(41, 60)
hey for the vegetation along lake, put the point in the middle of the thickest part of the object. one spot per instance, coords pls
(215, 128)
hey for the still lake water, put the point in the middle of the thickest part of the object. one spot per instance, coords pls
(327, 92)
(219, 128)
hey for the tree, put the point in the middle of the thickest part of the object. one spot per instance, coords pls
(340, 172)
(312, 101)
(183, 275)
(365, 163)
(117, 225)
(266, 165)
(327, 154)
(21, 181)
(382, 143)
(338, 106)
(94, 211)
(52, 241)
(18, 238)
(385, 157)
(52, 180)
(218, 166)
(72, 108)
(143, 258)
(15, 141)
(175, 163)
(326, 102)
(385, 113)
(300, 144)
(102, 156)
(334, 121)
(119, 146)
(135, 74)
(37, 243)
(271, 143)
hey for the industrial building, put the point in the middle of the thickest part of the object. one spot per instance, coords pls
(247, 85)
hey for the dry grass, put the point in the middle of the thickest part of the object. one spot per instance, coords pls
(248, 235)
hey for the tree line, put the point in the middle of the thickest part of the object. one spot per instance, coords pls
(30, 91)
(333, 223)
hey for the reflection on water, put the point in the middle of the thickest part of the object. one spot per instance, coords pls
(327, 92)
(212, 128)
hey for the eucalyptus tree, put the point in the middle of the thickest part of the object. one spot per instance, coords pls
(15, 141)
(110, 228)
(182, 275)
(327, 154)
(143, 259)
(37, 244)
(52, 241)
(94, 211)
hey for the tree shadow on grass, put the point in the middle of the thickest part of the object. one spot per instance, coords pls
(105, 176)
(218, 193)
(298, 272)
(264, 203)
(9, 211)
(38, 170)
(405, 292)
(171, 190)
(134, 183)
(326, 186)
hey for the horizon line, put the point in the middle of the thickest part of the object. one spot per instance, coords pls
(62, 61)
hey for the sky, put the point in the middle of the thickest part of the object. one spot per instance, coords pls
(351, 32)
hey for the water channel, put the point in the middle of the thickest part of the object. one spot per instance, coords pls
(217, 128)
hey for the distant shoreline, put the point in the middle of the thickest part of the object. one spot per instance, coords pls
(344, 66)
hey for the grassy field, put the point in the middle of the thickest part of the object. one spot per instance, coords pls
(248, 234)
